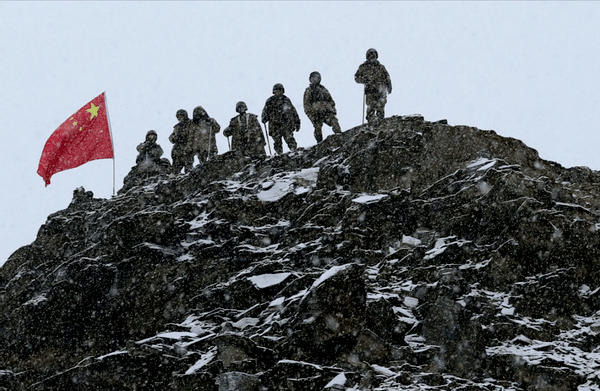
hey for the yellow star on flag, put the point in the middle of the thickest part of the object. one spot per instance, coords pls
(93, 110)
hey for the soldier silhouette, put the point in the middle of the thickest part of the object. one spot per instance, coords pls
(377, 83)
(245, 132)
(320, 107)
(283, 119)
(181, 153)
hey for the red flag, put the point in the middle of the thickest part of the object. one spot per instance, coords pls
(83, 137)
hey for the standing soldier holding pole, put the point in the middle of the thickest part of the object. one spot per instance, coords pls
(378, 85)
(283, 119)
(246, 134)
(320, 107)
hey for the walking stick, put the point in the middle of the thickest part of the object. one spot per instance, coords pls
(364, 100)
(209, 138)
(268, 142)
(229, 145)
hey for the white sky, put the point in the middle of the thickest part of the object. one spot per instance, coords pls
(524, 69)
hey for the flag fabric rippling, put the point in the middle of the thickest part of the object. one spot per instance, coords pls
(85, 136)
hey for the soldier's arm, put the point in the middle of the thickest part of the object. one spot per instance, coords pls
(359, 76)
(296, 117)
(216, 128)
(388, 80)
(158, 151)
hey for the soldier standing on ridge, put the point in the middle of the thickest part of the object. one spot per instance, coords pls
(283, 119)
(320, 107)
(181, 153)
(246, 133)
(377, 83)
(202, 131)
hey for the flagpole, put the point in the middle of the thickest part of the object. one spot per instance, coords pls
(111, 142)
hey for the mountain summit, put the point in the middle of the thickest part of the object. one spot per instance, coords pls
(414, 255)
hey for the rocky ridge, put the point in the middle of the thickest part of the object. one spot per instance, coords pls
(415, 255)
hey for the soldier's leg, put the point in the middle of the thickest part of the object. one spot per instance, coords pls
(277, 144)
(333, 122)
(288, 135)
(381, 107)
(188, 162)
(177, 164)
(318, 125)
(202, 156)
(371, 101)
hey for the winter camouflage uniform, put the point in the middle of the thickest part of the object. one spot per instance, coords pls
(181, 153)
(246, 133)
(202, 131)
(283, 119)
(320, 107)
(148, 160)
(377, 83)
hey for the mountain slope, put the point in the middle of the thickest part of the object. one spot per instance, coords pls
(415, 255)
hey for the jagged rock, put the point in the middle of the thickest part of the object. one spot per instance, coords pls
(369, 348)
(289, 374)
(6, 380)
(382, 320)
(448, 325)
(238, 381)
(331, 315)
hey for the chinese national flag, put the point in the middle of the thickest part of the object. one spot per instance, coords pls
(83, 137)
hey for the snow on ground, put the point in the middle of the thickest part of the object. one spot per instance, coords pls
(330, 273)
(246, 322)
(204, 359)
(411, 241)
(200, 221)
(340, 379)
(298, 182)
(368, 199)
(441, 244)
(112, 354)
(482, 164)
(266, 280)
(535, 352)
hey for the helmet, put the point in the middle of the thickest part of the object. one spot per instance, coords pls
(183, 113)
(372, 54)
(151, 133)
(199, 112)
(278, 87)
(316, 75)
(241, 107)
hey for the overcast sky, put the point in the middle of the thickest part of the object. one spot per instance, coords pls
(527, 70)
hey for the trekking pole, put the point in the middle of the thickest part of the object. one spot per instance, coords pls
(229, 145)
(267, 135)
(364, 101)
(209, 138)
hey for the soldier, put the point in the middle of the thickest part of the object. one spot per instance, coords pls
(181, 153)
(149, 160)
(377, 83)
(320, 107)
(283, 119)
(202, 130)
(246, 133)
